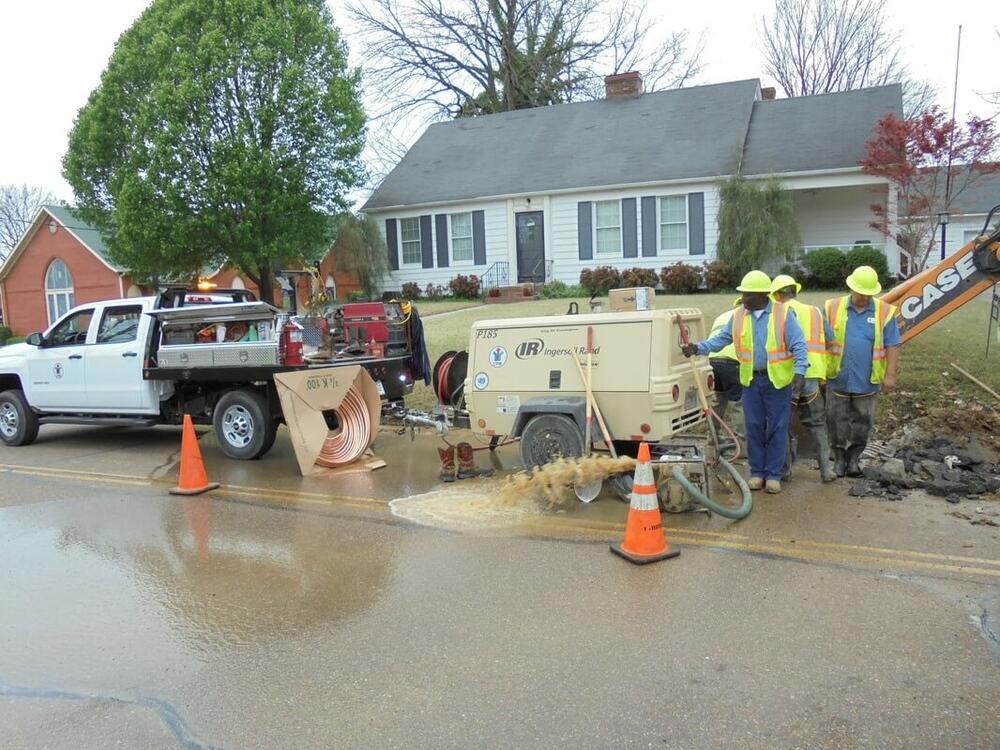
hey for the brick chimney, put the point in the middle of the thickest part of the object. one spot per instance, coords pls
(768, 93)
(623, 85)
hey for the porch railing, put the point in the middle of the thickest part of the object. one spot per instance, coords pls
(497, 275)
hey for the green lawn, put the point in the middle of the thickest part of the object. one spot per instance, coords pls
(429, 307)
(927, 382)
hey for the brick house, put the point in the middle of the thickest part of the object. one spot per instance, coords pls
(61, 262)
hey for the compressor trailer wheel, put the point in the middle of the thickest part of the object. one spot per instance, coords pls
(548, 437)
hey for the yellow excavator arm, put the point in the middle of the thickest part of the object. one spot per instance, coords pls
(929, 296)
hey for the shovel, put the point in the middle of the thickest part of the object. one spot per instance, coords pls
(588, 492)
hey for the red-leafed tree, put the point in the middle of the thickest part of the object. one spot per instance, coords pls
(930, 160)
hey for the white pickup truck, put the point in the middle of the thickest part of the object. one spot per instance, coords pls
(114, 363)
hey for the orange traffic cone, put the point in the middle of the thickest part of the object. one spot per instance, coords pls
(645, 540)
(193, 479)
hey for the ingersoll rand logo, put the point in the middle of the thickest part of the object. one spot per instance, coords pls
(530, 348)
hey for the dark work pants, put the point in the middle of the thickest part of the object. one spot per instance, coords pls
(810, 408)
(849, 418)
(766, 410)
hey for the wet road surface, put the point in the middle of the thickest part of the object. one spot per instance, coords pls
(283, 611)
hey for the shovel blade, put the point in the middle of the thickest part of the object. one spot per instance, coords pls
(587, 493)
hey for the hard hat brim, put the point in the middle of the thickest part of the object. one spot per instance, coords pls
(867, 291)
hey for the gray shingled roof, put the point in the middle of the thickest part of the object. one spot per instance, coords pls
(978, 198)
(684, 133)
(88, 235)
(806, 133)
(681, 134)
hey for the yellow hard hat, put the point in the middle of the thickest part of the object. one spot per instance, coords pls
(755, 281)
(864, 281)
(782, 281)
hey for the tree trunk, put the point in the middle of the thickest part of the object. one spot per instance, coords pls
(266, 286)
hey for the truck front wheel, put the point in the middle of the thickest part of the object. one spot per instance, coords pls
(243, 426)
(18, 423)
(547, 437)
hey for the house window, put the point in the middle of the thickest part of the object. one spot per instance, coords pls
(461, 237)
(331, 287)
(237, 283)
(609, 227)
(409, 232)
(58, 290)
(673, 222)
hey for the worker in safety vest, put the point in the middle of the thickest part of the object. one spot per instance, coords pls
(810, 406)
(726, 366)
(773, 361)
(861, 363)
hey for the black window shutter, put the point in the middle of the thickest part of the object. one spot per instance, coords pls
(584, 231)
(648, 226)
(479, 237)
(630, 245)
(392, 243)
(441, 225)
(426, 245)
(696, 223)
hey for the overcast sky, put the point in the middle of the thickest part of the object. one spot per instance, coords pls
(52, 53)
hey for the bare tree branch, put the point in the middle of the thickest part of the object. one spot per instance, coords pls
(823, 46)
(18, 206)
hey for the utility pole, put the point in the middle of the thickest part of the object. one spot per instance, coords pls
(951, 143)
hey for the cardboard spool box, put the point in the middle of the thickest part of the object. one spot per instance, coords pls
(306, 394)
(631, 298)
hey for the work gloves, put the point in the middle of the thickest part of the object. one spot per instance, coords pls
(689, 350)
(798, 383)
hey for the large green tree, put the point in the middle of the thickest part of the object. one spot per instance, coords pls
(221, 132)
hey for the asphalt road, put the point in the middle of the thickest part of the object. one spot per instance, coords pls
(288, 612)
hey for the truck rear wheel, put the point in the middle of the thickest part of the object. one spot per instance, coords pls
(547, 437)
(243, 426)
(18, 423)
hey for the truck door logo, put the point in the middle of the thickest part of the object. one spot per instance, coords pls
(498, 356)
(529, 348)
(57, 370)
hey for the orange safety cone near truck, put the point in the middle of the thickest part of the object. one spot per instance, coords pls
(645, 540)
(193, 479)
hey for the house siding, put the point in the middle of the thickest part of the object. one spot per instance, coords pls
(838, 215)
(494, 234)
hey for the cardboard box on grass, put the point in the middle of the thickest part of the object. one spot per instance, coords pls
(306, 394)
(632, 298)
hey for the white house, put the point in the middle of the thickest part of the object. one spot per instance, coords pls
(967, 217)
(629, 180)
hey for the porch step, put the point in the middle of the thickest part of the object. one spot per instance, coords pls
(508, 294)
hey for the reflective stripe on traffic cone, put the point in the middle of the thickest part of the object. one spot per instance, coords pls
(193, 479)
(645, 540)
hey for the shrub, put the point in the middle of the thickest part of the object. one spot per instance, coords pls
(14, 340)
(868, 256)
(639, 277)
(465, 287)
(597, 281)
(494, 291)
(794, 270)
(561, 290)
(411, 290)
(825, 268)
(5, 333)
(720, 275)
(435, 291)
(680, 278)
(527, 290)
(357, 296)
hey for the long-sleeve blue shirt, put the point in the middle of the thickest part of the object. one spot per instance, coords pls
(794, 340)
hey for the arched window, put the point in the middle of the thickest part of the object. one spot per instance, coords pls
(238, 283)
(133, 291)
(331, 287)
(58, 290)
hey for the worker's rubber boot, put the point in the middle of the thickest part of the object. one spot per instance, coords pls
(826, 472)
(840, 462)
(854, 460)
(467, 464)
(447, 463)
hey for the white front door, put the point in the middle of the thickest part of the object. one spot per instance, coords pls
(114, 361)
(58, 369)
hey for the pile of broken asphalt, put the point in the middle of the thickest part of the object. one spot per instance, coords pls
(948, 467)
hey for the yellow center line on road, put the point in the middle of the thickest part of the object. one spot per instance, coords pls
(552, 527)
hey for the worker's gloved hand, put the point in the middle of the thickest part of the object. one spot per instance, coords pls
(798, 383)
(689, 350)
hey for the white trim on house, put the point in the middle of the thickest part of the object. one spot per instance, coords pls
(26, 238)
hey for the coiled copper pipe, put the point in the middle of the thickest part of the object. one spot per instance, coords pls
(351, 439)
